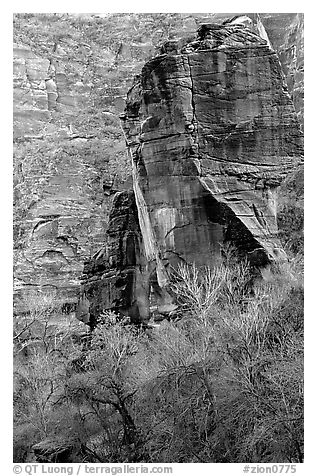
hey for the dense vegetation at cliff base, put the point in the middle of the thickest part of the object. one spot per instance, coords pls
(223, 383)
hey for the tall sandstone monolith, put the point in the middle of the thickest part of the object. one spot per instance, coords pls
(212, 132)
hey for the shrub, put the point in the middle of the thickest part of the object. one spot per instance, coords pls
(222, 384)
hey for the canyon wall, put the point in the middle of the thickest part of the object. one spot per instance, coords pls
(71, 74)
(58, 193)
(212, 132)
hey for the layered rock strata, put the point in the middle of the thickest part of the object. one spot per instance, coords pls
(285, 33)
(61, 187)
(68, 94)
(212, 132)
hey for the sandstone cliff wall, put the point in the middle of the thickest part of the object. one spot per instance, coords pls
(71, 74)
(212, 132)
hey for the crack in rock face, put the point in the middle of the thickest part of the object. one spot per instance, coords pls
(212, 132)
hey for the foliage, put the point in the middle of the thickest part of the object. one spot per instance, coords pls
(221, 384)
(229, 381)
(44, 347)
